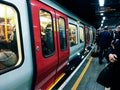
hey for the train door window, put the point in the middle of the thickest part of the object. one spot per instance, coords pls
(10, 48)
(91, 35)
(62, 31)
(87, 36)
(81, 34)
(73, 34)
(47, 31)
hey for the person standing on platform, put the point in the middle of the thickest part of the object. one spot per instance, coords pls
(104, 42)
(113, 55)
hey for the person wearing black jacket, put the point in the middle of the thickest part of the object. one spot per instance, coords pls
(113, 56)
(104, 41)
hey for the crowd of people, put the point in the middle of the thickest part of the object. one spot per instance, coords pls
(108, 42)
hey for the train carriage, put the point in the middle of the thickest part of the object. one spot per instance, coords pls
(16, 68)
(38, 39)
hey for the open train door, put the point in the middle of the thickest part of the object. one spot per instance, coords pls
(46, 50)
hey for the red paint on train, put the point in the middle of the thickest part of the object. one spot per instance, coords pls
(49, 68)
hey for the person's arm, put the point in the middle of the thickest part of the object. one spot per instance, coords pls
(109, 51)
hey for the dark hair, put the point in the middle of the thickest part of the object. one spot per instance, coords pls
(49, 25)
(106, 27)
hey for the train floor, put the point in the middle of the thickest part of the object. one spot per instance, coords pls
(85, 77)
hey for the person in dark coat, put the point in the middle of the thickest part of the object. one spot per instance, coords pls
(116, 36)
(104, 42)
(49, 38)
(113, 55)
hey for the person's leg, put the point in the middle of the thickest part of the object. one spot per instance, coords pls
(101, 55)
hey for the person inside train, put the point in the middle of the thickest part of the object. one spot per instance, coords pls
(49, 38)
(104, 39)
(13, 40)
(8, 49)
(44, 45)
(3, 42)
(1, 33)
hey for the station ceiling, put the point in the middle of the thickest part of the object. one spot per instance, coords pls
(89, 10)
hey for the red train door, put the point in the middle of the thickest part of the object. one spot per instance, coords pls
(63, 43)
(43, 18)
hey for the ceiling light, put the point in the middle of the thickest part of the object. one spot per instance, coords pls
(102, 21)
(103, 18)
(101, 25)
(101, 2)
(101, 14)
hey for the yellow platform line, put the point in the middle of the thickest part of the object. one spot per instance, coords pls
(58, 79)
(81, 75)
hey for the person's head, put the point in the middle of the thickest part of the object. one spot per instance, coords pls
(49, 26)
(118, 28)
(106, 28)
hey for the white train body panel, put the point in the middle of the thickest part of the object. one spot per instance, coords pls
(20, 78)
(79, 47)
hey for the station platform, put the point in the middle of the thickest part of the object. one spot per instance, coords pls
(84, 78)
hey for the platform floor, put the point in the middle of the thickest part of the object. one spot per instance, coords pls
(85, 78)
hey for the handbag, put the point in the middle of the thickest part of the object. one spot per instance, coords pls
(105, 76)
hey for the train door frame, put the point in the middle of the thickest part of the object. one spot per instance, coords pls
(46, 66)
(82, 43)
(63, 53)
(91, 35)
(48, 71)
(73, 48)
(87, 37)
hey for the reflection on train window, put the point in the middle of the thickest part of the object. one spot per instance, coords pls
(81, 34)
(62, 30)
(73, 34)
(46, 33)
(10, 48)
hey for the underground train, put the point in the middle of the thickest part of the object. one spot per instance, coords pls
(38, 41)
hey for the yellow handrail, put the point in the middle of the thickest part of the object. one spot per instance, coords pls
(5, 18)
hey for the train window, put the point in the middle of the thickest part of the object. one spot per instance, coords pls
(91, 35)
(73, 34)
(87, 36)
(10, 49)
(46, 33)
(62, 31)
(81, 34)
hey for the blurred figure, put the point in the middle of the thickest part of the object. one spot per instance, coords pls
(104, 42)
(49, 38)
(116, 36)
(13, 40)
(44, 45)
(111, 33)
(1, 33)
(113, 56)
(117, 33)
